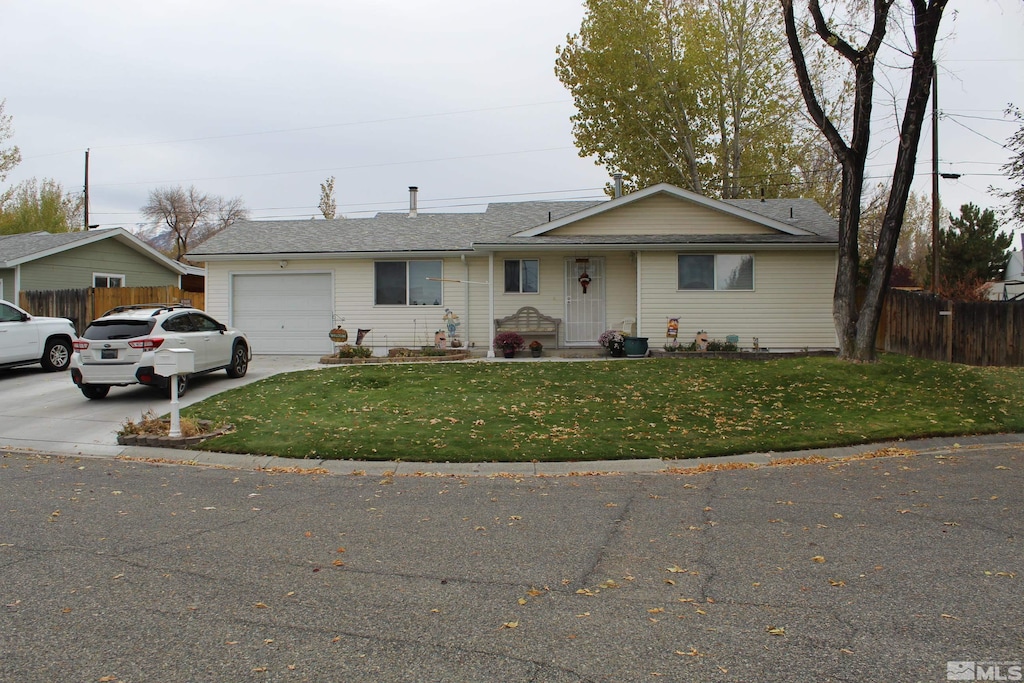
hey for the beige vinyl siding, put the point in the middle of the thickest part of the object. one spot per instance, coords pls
(390, 326)
(662, 215)
(789, 308)
(74, 268)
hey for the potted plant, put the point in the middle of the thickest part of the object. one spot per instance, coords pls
(535, 348)
(508, 343)
(614, 341)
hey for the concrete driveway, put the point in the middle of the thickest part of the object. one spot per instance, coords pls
(45, 411)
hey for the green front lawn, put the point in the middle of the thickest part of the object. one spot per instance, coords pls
(471, 412)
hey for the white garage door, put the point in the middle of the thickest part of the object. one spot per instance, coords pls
(288, 314)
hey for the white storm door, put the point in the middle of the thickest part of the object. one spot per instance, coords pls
(284, 313)
(584, 311)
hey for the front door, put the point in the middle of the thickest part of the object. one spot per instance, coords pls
(584, 308)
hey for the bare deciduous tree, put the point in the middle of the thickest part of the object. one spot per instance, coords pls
(856, 328)
(328, 207)
(182, 219)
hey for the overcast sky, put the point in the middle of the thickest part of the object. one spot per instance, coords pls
(264, 100)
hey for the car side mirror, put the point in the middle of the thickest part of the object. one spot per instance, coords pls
(222, 327)
(24, 317)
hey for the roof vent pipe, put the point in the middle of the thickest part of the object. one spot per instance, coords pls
(618, 184)
(413, 190)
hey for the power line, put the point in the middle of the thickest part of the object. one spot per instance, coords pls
(335, 169)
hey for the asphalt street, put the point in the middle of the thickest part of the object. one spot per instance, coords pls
(860, 570)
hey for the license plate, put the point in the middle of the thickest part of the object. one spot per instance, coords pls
(108, 354)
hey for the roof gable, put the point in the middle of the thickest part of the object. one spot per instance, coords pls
(664, 210)
(32, 246)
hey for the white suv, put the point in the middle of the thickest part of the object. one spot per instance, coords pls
(118, 348)
(27, 339)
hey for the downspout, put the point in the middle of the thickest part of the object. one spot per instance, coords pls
(490, 304)
(639, 298)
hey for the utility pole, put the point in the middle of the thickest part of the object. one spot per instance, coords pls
(935, 178)
(85, 204)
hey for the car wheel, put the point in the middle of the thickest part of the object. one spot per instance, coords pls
(239, 361)
(182, 385)
(94, 392)
(57, 355)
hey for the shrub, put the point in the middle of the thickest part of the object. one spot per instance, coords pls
(349, 351)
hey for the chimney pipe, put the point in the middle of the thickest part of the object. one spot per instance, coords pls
(618, 184)
(413, 190)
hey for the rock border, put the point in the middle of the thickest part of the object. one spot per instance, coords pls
(334, 360)
(165, 441)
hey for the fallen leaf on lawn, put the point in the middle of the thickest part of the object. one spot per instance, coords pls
(341, 550)
(670, 582)
(581, 616)
(510, 624)
(533, 592)
(521, 601)
(609, 584)
(656, 610)
(675, 569)
(231, 642)
(338, 563)
(837, 515)
(259, 605)
(846, 651)
(692, 653)
(259, 669)
(833, 582)
(818, 558)
(107, 679)
(776, 630)
(585, 591)
(949, 616)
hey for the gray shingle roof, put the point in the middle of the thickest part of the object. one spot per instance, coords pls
(23, 245)
(447, 232)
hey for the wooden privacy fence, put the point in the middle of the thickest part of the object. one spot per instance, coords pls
(83, 306)
(974, 333)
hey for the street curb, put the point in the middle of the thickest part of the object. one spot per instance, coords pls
(398, 468)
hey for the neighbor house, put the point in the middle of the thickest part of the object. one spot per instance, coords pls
(43, 261)
(761, 270)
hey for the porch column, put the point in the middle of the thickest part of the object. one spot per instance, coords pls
(490, 304)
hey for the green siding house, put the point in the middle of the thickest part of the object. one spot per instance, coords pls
(77, 260)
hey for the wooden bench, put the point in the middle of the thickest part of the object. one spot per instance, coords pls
(528, 321)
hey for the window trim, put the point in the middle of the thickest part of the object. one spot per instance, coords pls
(520, 261)
(108, 276)
(714, 275)
(408, 298)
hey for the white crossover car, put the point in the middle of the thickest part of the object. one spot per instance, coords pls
(118, 348)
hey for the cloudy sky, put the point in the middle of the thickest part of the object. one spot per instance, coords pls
(264, 100)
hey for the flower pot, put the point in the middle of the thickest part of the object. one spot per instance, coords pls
(509, 353)
(635, 347)
(535, 352)
(616, 350)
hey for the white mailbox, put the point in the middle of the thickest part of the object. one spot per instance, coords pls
(169, 362)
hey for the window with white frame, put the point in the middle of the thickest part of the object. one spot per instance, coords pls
(407, 283)
(107, 280)
(522, 276)
(721, 272)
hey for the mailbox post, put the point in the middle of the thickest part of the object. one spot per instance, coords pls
(170, 363)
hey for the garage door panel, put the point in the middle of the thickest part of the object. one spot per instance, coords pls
(284, 313)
